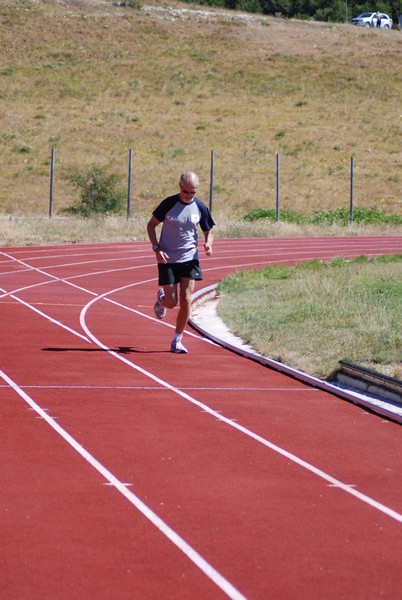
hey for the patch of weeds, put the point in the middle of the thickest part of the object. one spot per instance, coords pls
(7, 136)
(276, 272)
(269, 214)
(361, 260)
(311, 265)
(258, 214)
(304, 146)
(339, 216)
(386, 288)
(23, 149)
(7, 72)
(360, 215)
(334, 170)
(339, 262)
(389, 258)
(178, 152)
(135, 4)
(199, 57)
(280, 134)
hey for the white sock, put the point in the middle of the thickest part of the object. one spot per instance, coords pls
(177, 337)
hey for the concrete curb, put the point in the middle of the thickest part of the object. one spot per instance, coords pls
(204, 320)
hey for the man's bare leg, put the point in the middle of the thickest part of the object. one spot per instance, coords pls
(186, 290)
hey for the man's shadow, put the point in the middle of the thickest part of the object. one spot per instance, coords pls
(118, 350)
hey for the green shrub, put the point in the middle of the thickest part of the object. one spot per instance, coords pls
(99, 192)
(360, 215)
(339, 216)
(136, 4)
(270, 215)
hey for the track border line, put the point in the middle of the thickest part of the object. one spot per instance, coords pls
(147, 512)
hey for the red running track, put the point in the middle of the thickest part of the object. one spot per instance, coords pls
(128, 472)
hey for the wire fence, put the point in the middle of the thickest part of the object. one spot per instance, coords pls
(211, 184)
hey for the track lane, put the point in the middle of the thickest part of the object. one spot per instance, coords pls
(65, 526)
(191, 374)
(112, 324)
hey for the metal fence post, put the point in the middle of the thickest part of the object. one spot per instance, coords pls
(130, 169)
(211, 181)
(51, 184)
(278, 210)
(352, 168)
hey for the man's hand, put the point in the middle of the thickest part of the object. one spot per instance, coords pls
(161, 257)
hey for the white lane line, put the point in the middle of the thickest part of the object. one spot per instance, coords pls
(52, 279)
(44, 252)
(292, 457)
(264, 261)
(73, 264)
(157, 387)
(67, 280)
(54, 321)
(178, 541)
(261, 440)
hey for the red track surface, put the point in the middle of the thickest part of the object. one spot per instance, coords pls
(130, 472)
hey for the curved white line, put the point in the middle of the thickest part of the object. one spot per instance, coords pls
(205, 408)
(45, 316)
(292, 457)
(66, 280)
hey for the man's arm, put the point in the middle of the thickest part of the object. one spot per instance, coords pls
(152, 224)
(208, 241)
(151, 229)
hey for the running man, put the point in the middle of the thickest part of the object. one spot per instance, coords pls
(177, 251)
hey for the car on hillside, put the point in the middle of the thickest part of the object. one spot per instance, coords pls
(369, 19)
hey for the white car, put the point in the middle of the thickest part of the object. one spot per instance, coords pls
(370, 20)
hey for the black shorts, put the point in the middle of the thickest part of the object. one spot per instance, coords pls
(172, 272)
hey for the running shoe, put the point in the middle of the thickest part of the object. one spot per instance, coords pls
(159, 309)
(177, 347)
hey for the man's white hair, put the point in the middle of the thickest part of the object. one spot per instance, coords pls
(190, 177)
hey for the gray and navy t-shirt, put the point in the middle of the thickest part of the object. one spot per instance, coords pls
(179, 227)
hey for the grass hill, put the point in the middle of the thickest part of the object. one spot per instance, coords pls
(175, 82)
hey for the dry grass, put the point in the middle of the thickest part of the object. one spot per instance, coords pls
(21, 230)
(93, 80)
(312, 316)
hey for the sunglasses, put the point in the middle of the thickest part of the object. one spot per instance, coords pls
(189, 192)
